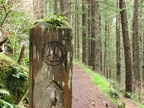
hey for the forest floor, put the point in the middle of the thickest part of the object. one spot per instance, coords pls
(87, 95)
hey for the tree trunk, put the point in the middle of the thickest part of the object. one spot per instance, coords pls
(38, 7)
(142, 1)
(135, 43)
(57, 7)
(78, 29)
(101, 59)
(105, 49)
(142, 89)
(65, 8)
(118, 47)
(89, 32)
(84, 32)
(95, 42)
(74, 18)
(127, 51)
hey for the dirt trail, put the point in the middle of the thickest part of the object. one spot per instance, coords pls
(86, 95)
(129, 104)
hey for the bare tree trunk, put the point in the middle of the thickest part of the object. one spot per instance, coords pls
(74, 30)
(38, 7)
(101, 61)
(22, 54)
(142, 1)
(105, 49)
(127, 52)
(84, 32)
(89, 32)
(118, 47)
(57, 7)
(143, 61)
(65, 8)
(135, 44)
(75, 39)
(77, 22)
(95, 43)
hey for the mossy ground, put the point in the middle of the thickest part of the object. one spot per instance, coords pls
(13, 77)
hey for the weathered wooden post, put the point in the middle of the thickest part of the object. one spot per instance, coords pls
(50, 67)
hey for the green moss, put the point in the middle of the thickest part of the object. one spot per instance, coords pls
(16, 85)
(56, 21)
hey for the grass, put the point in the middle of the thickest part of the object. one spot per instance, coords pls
(97, 79)
(138, 104)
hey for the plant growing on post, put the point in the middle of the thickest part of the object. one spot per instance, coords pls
(55, 21)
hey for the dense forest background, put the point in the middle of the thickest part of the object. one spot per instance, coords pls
(108, 36)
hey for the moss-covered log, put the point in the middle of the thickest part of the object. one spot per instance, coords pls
(13, 77)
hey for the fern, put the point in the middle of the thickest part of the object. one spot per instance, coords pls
(55, 21)
(2, 91)
(3, 103)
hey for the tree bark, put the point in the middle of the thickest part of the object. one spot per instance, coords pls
(77, 30)
(135, 43)
(22, 54)
(142, 88)
(118, 47)
(101, 55)
(57, 7)
(105, 49)
(89, 32)
(95, 42)
(65, 8)
(38, 8)
(84, 32)
(142, 1)
(127, 51)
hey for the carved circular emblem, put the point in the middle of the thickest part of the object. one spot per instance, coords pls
(54, 53)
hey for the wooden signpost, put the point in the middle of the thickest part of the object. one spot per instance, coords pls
(50, 67)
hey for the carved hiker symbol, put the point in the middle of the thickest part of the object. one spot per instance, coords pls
(54, 53)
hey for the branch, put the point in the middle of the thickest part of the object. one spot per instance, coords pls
(5, 35)
(25, 95)
(7, 13)
(5, 17)
(4, 7)
(2, 42)
(22, 54)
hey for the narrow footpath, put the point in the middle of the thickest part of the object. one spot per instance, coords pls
(87, 95)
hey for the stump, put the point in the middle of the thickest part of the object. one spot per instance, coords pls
(50, 67)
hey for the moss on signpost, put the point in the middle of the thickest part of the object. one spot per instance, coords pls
(13, 77)
(55, 21)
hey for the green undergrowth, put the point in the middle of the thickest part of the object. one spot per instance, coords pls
(134, 99)
(138, 104)
(14, 78)
(104, 86)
